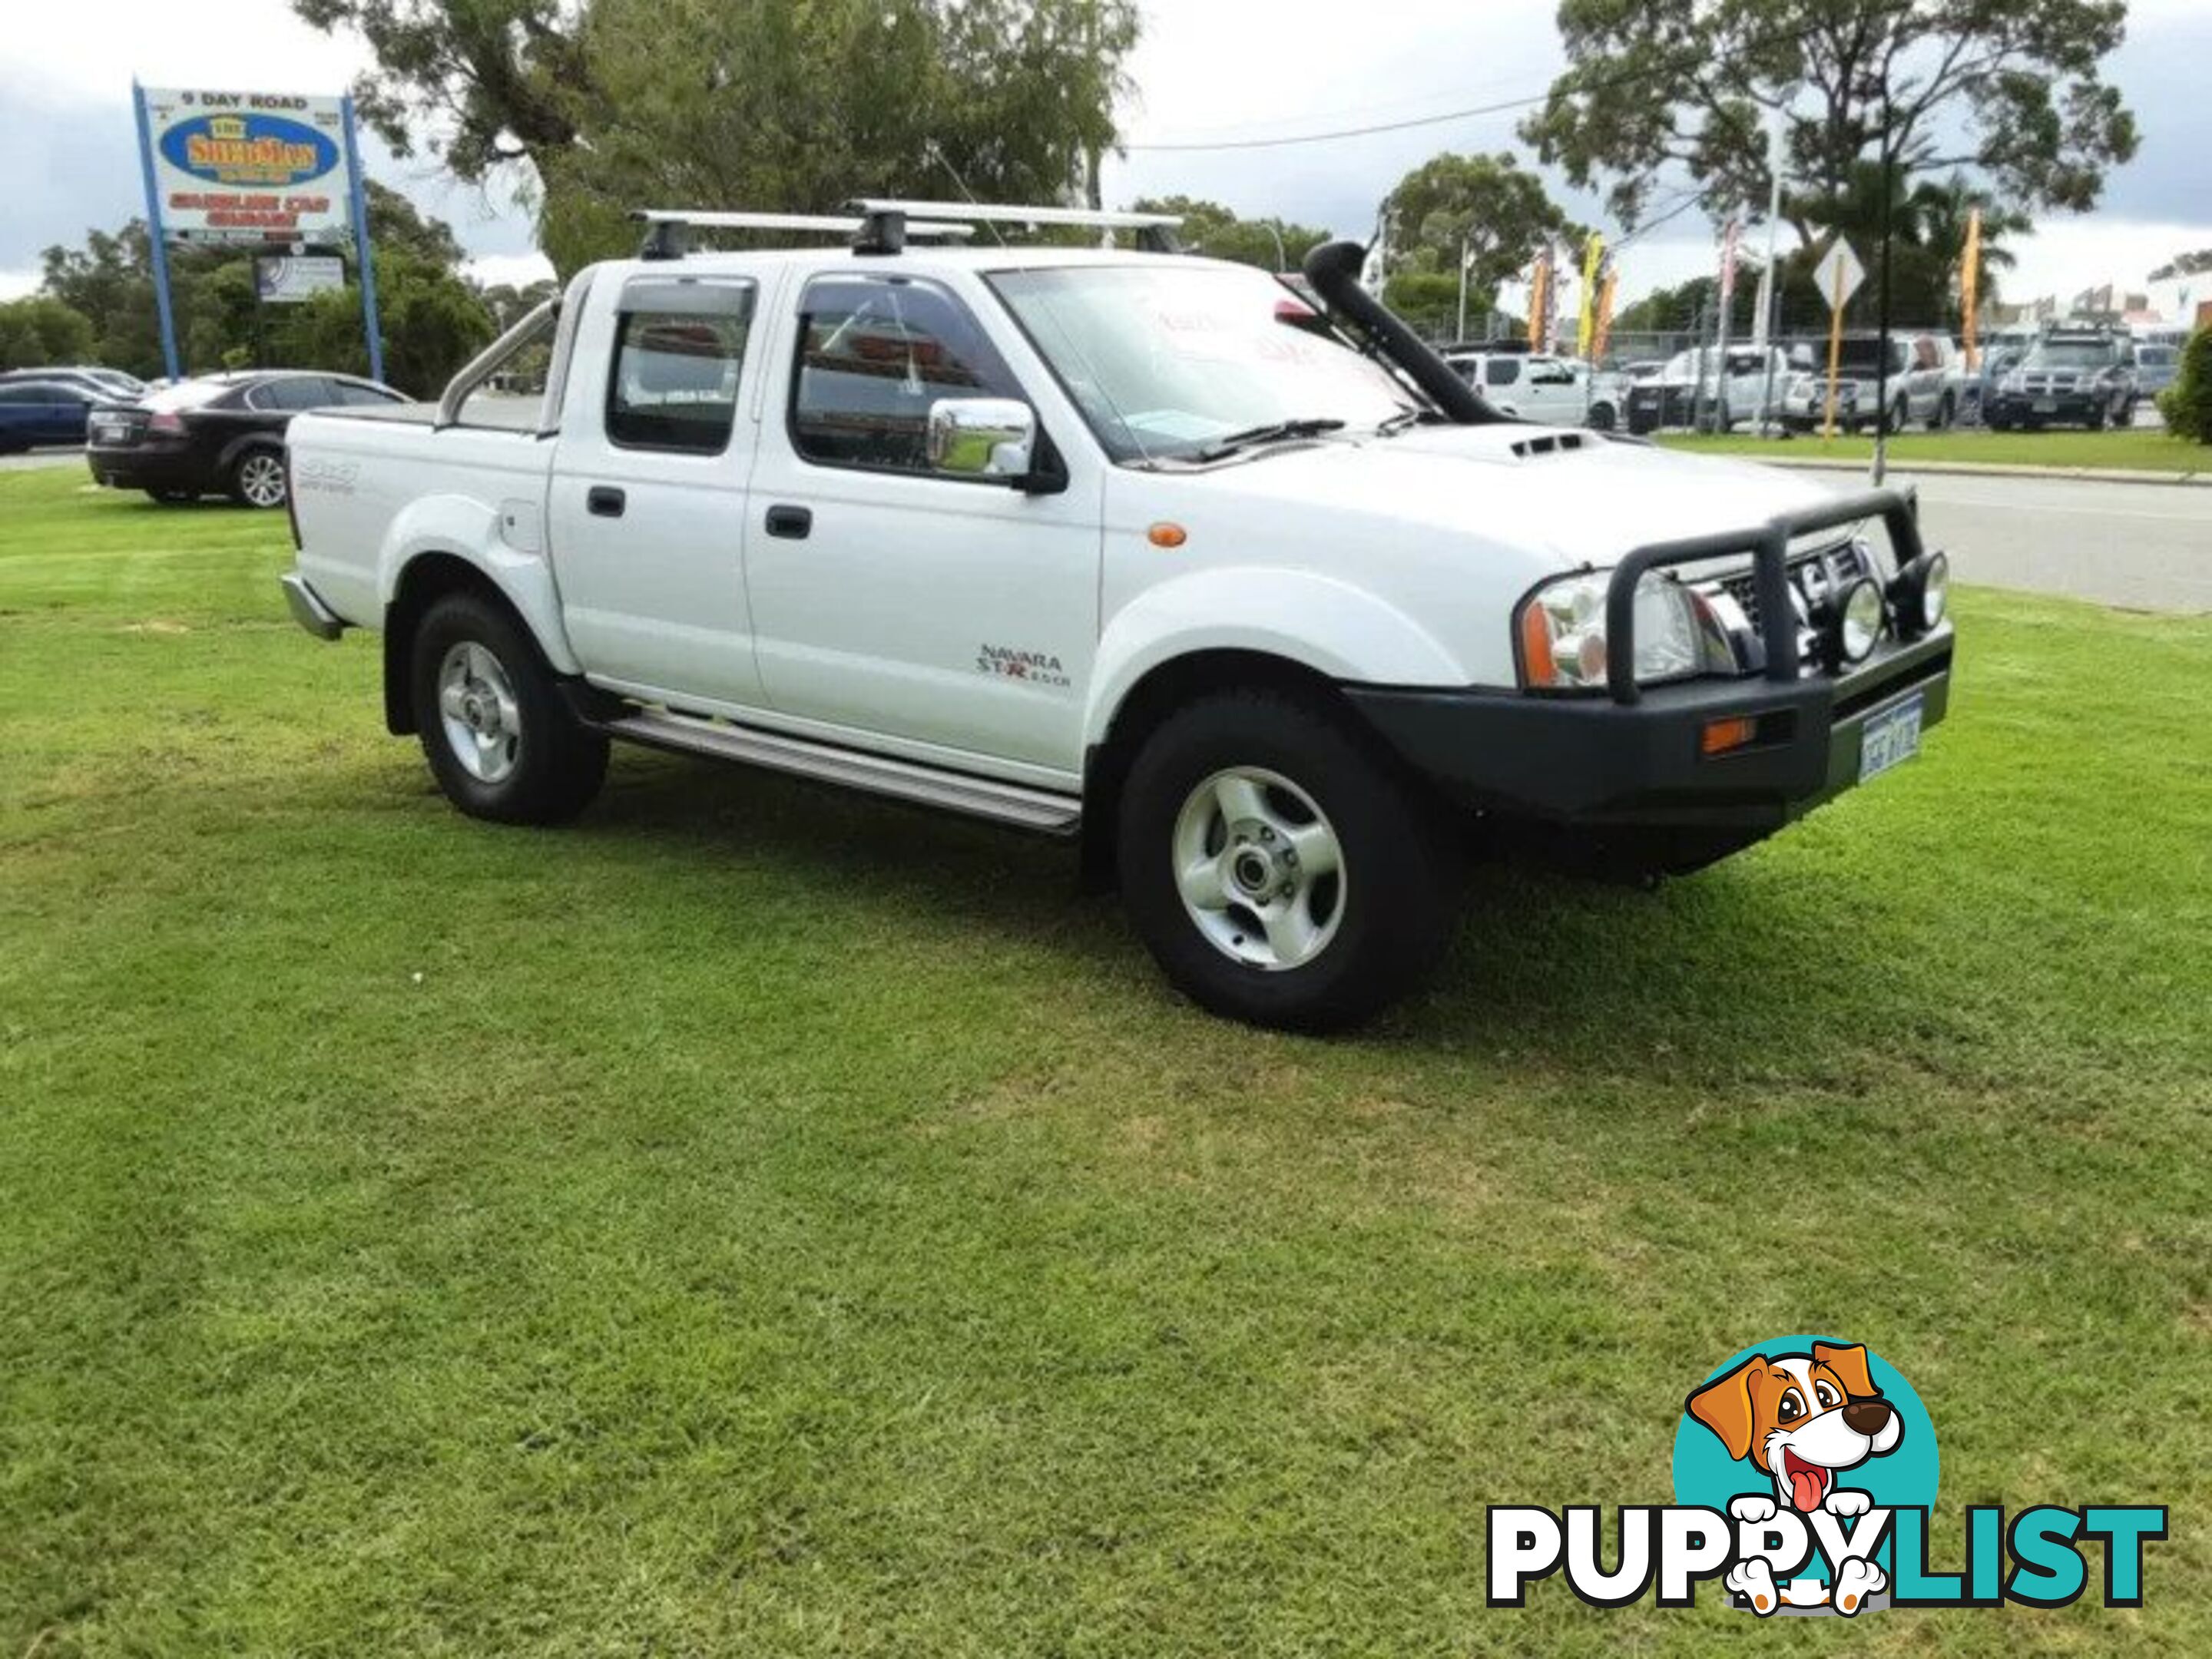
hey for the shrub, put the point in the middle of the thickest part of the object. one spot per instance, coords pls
(2187, 404)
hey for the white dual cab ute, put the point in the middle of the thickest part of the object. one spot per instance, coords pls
(1265, 607)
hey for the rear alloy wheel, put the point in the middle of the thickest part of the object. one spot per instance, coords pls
(500, 741)
(257, 479)
(1280, 869)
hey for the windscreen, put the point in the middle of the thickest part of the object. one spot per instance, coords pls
(2069, 354)
(1163, 361)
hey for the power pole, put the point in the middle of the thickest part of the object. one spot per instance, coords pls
(1777, 153)
(1461, 335)
(1881, 321)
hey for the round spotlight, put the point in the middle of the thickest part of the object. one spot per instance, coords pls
(1922, 595)
(1858, 620)
(1935, 592)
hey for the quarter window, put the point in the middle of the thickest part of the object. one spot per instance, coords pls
(873, 355)
(679, 351)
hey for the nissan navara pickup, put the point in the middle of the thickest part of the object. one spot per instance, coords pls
(1234, 583)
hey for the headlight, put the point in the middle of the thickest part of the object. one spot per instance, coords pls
(2014, 381)
(1562, 631)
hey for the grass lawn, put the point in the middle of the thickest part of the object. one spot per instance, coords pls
(2147, 449)
(757, 1220)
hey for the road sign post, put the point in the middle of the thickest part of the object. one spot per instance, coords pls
(1839, 274)
(157, 242)
(369, 322)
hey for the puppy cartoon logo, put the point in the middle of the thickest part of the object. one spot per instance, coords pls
(1805, 1474)
(1802, 1420)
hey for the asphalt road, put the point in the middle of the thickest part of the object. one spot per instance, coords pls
(2146, 547)
(41, 458)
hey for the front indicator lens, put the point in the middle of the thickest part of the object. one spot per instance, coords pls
(1719, 736)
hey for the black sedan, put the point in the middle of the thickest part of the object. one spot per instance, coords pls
(221, 434)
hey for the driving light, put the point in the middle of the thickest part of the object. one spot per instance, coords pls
(1856, 624)
(1561, 631)
(1922, 594)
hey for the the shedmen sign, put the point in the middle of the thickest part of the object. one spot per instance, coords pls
(248, 167)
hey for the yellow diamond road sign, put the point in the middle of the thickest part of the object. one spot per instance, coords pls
(1839, 274)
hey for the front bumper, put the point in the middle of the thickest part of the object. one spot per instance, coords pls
(1809, 410)
(1591, 763)
(1636, 756)
(2069, 408)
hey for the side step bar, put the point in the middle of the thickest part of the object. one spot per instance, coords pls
(1037, 810)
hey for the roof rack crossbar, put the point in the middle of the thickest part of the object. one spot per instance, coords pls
(668, 229)
(1155, 231)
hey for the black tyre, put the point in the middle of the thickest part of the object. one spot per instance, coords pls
(1279, 871)
(1603, 418)
(256, 476)
(500, 740)
(1945, 412)
(2096, 421)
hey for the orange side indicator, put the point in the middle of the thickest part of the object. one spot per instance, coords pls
(1721, 736)
(1167, 535)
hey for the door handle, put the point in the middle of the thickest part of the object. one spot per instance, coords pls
(791, 523)
(604, 502)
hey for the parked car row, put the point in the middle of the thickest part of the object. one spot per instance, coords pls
(2084, 376)
(214, 434)
(219, 435)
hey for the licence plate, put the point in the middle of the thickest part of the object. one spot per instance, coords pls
(109, 432)
(2045, 405)
(1890, 739)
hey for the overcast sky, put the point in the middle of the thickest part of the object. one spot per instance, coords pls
(1208, 70)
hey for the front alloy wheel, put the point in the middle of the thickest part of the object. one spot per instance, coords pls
(1259, 868)
(1280, 866)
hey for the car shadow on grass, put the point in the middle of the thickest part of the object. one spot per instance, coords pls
(1748, 958)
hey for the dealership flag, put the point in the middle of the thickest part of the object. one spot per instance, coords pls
(1592, 258)
(1540, 301)
(1970, 283)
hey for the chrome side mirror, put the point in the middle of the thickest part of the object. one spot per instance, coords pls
(981, 437)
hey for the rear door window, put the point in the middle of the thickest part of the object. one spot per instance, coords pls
(679, 353)
(1501, 371)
